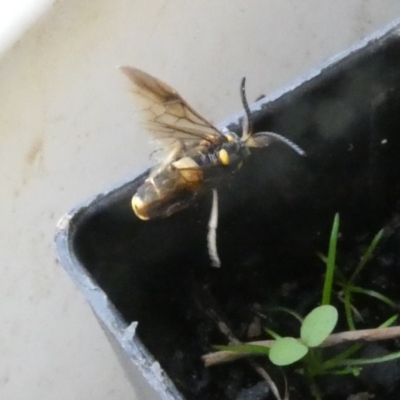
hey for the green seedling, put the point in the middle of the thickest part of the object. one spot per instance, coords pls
(316, 327)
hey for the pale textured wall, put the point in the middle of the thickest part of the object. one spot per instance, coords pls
(67, 131)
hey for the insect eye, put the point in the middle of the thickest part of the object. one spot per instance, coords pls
(223, 157)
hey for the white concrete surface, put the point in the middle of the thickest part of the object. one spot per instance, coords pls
(67, 131)
(16, 16)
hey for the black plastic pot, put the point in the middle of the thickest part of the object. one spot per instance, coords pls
(150, 283)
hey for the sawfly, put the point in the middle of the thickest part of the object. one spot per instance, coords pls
(197, 154)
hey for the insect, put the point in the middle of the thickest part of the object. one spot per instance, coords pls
(198, 154)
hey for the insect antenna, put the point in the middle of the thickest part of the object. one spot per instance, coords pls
(260, 139)
(246, 120)
(264, 139)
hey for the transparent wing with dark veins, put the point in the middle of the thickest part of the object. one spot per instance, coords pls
(167, 116)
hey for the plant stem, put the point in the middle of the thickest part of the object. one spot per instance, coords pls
(315, 392)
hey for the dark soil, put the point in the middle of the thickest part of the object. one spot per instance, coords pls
(248, 308)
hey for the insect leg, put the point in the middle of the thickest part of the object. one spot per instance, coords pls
(212, 232)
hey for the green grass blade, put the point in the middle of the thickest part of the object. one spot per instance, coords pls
(367, 256)
(389, 322)
(334, 362)
(341, 278)
(347, 371)
(372, 293)
(330, 265)
(365, 361)
(289, 311)
(272, 333)
(348, 310)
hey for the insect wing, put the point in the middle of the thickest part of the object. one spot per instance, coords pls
(168, 117)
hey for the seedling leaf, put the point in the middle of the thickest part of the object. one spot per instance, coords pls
(318, 325)
(286, 351)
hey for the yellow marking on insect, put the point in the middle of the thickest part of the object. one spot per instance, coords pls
(189, 170)
(185, 163)
(223, 157)
(137, 205)
(230, 137)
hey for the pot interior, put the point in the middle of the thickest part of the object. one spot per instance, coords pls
(274, 215)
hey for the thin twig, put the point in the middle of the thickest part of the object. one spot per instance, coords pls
(369, 335)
